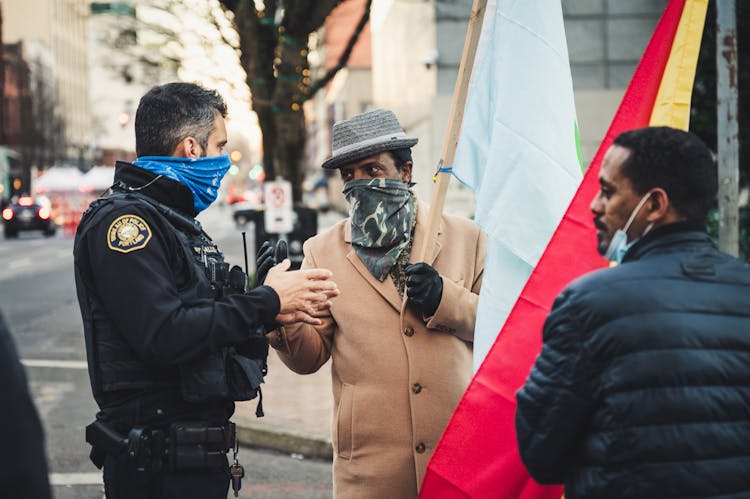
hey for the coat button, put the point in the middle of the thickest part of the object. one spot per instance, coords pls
(409, 331)
(416, 387)
(420, 448)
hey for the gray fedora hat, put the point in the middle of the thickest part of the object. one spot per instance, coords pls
(364, 135)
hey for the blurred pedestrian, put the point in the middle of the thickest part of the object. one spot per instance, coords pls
(23, 465)
(398, 371)
(641, 388)
(172, 336)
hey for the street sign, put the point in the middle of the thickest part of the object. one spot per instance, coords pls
(278, 218)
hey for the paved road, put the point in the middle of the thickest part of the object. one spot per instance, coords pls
(38, 299)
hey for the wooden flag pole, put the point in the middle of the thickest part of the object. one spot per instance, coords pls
(454, 127)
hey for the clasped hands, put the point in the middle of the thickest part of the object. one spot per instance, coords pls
(304, 294)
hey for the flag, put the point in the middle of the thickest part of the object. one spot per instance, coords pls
(478, 455)
(518, 148)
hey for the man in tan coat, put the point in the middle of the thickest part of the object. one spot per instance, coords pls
(398, 369)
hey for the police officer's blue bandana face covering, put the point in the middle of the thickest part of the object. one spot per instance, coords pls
(201, 175)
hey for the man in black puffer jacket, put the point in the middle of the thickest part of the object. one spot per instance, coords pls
(642, 388)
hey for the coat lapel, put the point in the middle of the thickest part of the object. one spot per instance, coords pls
(386, 288)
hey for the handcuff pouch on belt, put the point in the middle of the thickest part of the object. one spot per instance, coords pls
(194, 446)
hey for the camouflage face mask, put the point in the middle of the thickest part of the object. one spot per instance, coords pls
(381, 213)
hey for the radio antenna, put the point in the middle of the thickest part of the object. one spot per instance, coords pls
(244, 248)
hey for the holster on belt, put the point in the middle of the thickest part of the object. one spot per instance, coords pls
(197, 446)
(137, 445)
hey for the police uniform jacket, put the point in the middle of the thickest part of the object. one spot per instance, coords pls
(397, 376)
(642, 388)
(151, 315)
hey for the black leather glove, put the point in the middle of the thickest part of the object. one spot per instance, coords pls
(424, 287)
(268, 256)
(263, 262)
(282, 251)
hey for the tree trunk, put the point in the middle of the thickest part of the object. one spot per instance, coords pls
(257, 47)
(275, 60)
(289, 118)
(290, 149)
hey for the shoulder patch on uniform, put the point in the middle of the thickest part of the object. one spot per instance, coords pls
(128, 233)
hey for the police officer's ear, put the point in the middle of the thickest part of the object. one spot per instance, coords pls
(188, 148)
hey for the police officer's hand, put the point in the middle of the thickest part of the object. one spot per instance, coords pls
(304, 294)
(424, 287)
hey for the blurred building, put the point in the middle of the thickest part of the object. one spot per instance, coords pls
(606, 39)
(114, 89)
(60, 27)
(414, 74)
(32, 131)
(16, 114)
(350, 91)
(136, 45)
(116, 80)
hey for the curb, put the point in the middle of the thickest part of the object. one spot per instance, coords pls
(281, 439)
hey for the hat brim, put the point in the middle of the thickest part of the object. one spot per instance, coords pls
(337, 161)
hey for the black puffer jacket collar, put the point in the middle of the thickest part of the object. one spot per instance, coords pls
(129, 177)
(666, 237)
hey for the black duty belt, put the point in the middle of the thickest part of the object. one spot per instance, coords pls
(182, 446)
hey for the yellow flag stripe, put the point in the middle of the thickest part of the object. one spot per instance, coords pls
(672, 105)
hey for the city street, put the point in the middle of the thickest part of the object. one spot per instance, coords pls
(38, 300)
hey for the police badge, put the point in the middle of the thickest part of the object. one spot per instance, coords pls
(128, 233)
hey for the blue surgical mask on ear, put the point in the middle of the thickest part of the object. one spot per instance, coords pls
(619, 245)
(201, 175)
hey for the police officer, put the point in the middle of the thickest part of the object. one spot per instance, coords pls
(173, 337)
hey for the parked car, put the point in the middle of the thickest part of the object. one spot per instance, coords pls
(27, 214)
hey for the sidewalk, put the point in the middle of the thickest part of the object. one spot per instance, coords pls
(297, 412)
(297, 408)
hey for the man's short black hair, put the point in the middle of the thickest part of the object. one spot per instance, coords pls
(169, 113)
(678, 162)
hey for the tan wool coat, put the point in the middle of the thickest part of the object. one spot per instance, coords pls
(396, 376)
